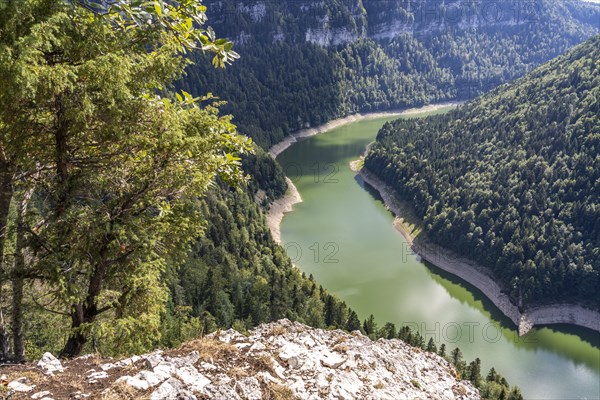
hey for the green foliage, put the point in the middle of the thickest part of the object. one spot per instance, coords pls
(296, 70)
(370, 326)
(496, 387)
(174, 24)
(105, 158)
(353, 323)
(456, 357)
(474, 372)
(442, 352)
(431, 347)
(388, 331)
(511, 180)
(238, 275)
(266, 174)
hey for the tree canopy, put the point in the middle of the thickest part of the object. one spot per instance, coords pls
(512, 179)
(108, 165)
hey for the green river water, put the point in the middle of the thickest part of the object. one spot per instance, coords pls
(343, 235)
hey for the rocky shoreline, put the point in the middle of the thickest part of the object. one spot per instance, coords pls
(279, 207)
(478, 276)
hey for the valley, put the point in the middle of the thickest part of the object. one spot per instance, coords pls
(343, 235)
(246, 199)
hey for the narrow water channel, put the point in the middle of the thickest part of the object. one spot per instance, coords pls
(343, 235)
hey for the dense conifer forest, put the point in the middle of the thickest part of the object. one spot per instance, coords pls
(305, 63)
(512, 179)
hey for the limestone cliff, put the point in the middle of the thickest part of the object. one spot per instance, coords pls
(338, 22)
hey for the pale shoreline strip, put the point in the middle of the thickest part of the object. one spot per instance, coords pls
(441, 258)
(479, 278)
(280, 147)
(280, 207)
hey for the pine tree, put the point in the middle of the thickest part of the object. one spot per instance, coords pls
(353, 323)
(431, 346)
(475, 372)
(388, 331)
(330, 311)
(442, 352)
(515, 394)
(370, 326)
(456, 356)
(125, 206)
(502, 394)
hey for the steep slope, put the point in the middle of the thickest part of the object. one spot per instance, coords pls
(512, 179)
(304, 63)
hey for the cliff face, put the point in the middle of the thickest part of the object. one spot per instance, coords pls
(338, 22)
(320, 22)
(281, 360)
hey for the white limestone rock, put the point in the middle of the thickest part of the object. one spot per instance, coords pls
(21, 385)
(150, 377)
(311, 363)
(333, 360)
(50, 364)
(172, 389)
(222, 392)
(42, 394)
(249, 389)
(164, 370)
(95, 377)
(153, 359)
(192, 378)
(189, 359)
(135, 382)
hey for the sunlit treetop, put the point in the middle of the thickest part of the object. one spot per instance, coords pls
(158, 22)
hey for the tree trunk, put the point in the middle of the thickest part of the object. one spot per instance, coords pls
(6, 194)
(4, 337)
(85, 313)
(17, 295)
(62, 156)
(77, 339)
(17, 318)
(19, 280)
(74, 345)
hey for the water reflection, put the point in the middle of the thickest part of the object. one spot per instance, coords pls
(375, 274)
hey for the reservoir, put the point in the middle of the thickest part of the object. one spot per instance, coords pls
(343, 235)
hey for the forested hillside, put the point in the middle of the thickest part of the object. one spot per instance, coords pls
(304, 63)
(236, 272)
(512, 179)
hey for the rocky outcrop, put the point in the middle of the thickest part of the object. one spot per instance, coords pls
(315, 363)
(335, 23)
(559, 314)
(50, 364)
(284, 359)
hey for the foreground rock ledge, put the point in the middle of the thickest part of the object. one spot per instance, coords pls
(280, 360)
